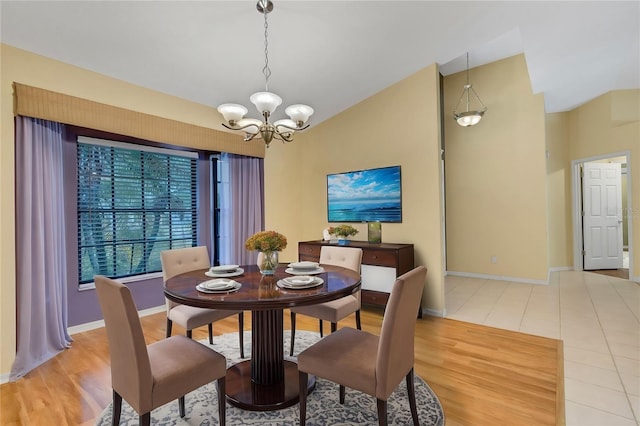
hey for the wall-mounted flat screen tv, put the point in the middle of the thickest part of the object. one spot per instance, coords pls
(372, 195)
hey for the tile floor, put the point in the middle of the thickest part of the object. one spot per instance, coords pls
(597, 317)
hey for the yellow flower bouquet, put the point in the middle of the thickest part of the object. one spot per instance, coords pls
(266, 241)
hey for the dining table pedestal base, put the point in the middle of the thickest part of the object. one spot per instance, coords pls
(244, 393)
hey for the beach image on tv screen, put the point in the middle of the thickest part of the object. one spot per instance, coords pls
(372, 195)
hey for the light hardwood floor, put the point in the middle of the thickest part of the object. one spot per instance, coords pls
(482, 375)
(596, 316)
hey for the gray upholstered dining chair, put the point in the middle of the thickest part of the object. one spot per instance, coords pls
(335, 310)
(148, 377)
(178, 261)
(363, 361)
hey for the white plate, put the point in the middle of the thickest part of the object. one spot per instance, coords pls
(299, 280)
(218, 286)
(291, 283)
(304, 271)
(221, 269)
(235, 273)
(304, 265)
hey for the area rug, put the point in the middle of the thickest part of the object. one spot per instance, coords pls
(323, 407)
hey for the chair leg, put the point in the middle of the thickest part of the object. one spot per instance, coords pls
(358, 322)
(293, 332)
(169, 324)
(181, 406)
(117, 407)
(190, 334)
(222, 401)
(145, 419)
(342, 392)
(303, 379)
(210, 333)
(241, 333)
(320, 328)
(382, 412)
(334, 327)
(412, 398)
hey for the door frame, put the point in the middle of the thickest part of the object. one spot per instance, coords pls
(576, 197)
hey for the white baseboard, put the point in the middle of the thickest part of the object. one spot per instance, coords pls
(433, 312)
(636, 279)
(560, 269)
(4, 378)
(498, 278)
(97, 324)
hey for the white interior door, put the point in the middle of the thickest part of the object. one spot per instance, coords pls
(602, 221)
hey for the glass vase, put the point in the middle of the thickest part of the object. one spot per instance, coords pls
(268, 262)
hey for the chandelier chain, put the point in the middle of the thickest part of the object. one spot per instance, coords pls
(266, 70)
(467, 67)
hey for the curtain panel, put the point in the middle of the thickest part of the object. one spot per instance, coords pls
(242, 206)
(41, 274)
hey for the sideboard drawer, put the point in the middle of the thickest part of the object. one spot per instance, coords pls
(309, 252)
(380, 258)
(371, 297)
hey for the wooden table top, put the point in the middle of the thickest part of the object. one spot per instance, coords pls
(260, 292)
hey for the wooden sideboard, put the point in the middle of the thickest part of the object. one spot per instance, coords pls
(381, 264)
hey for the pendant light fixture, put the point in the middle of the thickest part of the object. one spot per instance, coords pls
(468, 117)
(266, 102)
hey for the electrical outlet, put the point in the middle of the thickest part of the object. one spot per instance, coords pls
(494, 259)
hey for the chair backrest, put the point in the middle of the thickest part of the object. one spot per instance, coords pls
(396, 347)
(130, 367)
(177, 261)
(346, 257)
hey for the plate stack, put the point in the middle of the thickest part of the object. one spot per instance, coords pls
(300, 282)
(224, 271)
(219, 285)
(304, 268)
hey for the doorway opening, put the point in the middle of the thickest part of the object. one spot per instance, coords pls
(602, 242)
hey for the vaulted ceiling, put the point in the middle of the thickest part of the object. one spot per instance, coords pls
(332, 54)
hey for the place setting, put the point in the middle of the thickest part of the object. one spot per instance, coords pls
(219, 285)
(304, 268)
(298, 282)
(224, 271)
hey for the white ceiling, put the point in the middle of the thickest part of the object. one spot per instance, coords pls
(332, 54)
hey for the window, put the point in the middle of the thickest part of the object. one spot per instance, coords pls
(133, 201)
(215, 207)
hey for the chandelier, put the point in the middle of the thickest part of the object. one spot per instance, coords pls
(468, 117)
(266, 102)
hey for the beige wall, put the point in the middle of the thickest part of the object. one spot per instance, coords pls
(496, 200)
(399, 125)
(610, 124)
(559, 191)
(34, 70)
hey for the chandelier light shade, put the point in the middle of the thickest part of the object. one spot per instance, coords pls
(468, 117)
(266, 103)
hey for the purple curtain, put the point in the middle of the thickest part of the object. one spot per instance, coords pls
(41, 278)
(242, 203)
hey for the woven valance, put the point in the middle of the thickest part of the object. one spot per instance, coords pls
(47, 105)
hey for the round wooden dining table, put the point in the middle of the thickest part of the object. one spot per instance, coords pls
(266, 381)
